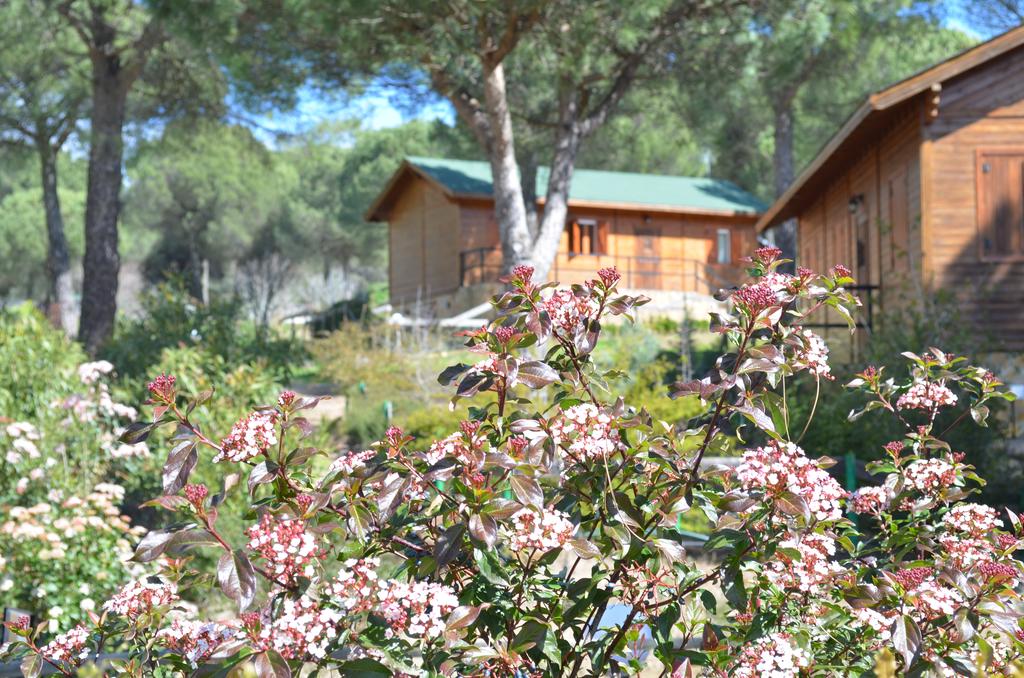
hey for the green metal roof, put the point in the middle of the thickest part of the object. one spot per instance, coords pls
(471, 177)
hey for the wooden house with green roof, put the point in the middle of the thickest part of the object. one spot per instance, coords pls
(664, 233)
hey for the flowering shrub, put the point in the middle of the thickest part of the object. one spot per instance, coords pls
(500, 550)
(64, 557)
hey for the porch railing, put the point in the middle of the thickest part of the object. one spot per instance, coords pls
(483, 265)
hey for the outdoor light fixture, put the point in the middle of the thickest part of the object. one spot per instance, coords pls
(855, 203)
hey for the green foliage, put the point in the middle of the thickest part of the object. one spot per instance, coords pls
(171, 318)
(39, 364)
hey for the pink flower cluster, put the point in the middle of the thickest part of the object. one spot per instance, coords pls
(771, 656)
(589, 432)
(929, 476)
(870, 500)
(926, 395)
(414, 609)
(812, 355)
(544, 531)
(756, 298)
(68, 648)
(783, 467)
(302, 629)
(973, 519)
(965, 553)
(249, 438)
(288, 548)
(139, 597)
(90, 373)
(349, 462)
(566, 310)
(812, 571)
(933, 600)
(194, 640)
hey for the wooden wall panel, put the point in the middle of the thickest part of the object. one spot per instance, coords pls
(405, 247)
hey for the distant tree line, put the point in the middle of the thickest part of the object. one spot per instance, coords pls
(92, 91)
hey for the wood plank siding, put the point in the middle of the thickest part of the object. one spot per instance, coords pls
(923, 190)
(423, 263)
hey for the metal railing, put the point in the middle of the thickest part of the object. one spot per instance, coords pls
(865, 319)
(483, 265)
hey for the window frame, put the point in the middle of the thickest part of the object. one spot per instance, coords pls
(594, 227)
(980, 205)
(719, 232)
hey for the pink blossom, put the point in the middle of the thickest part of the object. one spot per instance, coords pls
(812, 355)
(68, 648)
(767, 255)
(870, 500)
(416, 609)
(812, 572)
(302, 629)
(356, 586)
(771, 656)
(288, 548)
(544, 531)
(926, 395)
(929, 476)
(566, 310)
(90, 373)
(194, 640)
(249, 438)
(973, 519)
(349, 462)
(783, 467)
(139, 597)
(588, 432)
(935, 600)
(161, 389)
(756, 298)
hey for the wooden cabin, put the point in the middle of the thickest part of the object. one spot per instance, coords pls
(922, 189)
(664, 233)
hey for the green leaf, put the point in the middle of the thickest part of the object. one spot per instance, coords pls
(270, 664)
(237, 578)
(906, 639)
(527, 490)
(32, 666)
(180, 462)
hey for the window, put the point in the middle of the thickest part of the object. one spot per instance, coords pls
(1001, 203)
(587, 236)
(724, 246)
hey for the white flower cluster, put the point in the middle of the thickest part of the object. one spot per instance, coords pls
(926, 395)
(879, 622)
(138, 597)
(23, 436)
(302, 629)
(289, 549)
(588, 432)
(812, 355)
(930, 475)
(771, 656)
(870, 499)
(416, 609)
(413, 609)
(812, 571)
(544, 531)
(249, 437)
(783, 467)
(973, 519)
(349, 462)
(68, 648)
(90, 373)
(566, 310)
(454, 446)
(934, 600)
(194, 640)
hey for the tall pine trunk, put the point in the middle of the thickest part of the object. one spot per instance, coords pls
(509, 206)
(784, 172)
(60, 293)
(103, 204)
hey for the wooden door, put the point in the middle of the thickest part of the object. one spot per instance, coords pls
(899, 221)
(647, 258)
(1000, 189)
(860, 228)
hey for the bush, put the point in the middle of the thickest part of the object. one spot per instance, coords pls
(170, 318)
(500, 549)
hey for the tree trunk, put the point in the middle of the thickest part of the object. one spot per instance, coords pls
(556, 201)
(59, 294)
(509, 206)
(784, 235)
(102, 261)
(528, 172)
